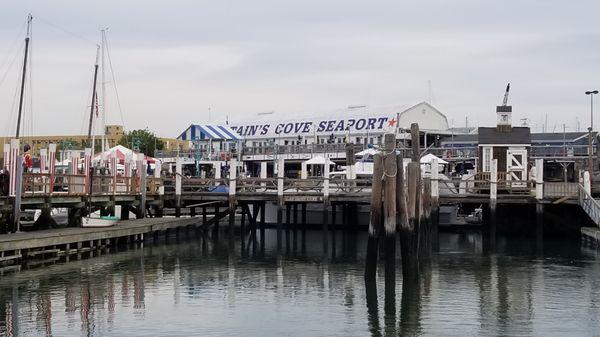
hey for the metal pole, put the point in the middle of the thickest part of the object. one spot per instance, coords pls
(92, 105)
(29, 18)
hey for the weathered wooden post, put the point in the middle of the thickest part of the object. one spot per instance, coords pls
(435, 204)
(489, 239)
(178, 178)
(425, 223)
(325, 205)
(350, 161)
(375, 219)
(161, 188)
(539, 206)
(303, 170)
(217, 169)
(263, 173)
(232, 201)
(51, 166)
(6, 155)
(280, 176)
(14, 163)
(143, 189)
(409, 235)
(390, 171)
(539, 179)
(43, 160)
(18, 192)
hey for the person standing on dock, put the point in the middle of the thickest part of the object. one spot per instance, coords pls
(27, 162)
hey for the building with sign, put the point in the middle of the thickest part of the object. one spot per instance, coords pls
(356, 124)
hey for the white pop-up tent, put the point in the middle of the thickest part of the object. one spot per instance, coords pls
(370, 152)
(426, 159)
(318, 160)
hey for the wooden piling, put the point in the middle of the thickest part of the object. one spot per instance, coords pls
(409, 234)
(375, 219)
(435, 205)
(178, 177)
(325, 205)
(280, 176)
(288, 216)
(390, 171)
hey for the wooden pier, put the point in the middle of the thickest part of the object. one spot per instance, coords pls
(149, 196)
(69, 241)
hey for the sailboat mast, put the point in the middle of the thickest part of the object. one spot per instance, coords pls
(93, 105)
(103, 91)
(29, 18)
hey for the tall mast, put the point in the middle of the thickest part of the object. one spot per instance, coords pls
(29, 18)
(93, 105)
(103, 91)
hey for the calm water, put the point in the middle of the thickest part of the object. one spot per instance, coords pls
(196, 288)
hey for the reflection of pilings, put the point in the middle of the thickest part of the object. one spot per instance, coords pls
(295, 229)
(539, 227)
(288, 217)
(410, 307)
(372, 307)
(333, 224)
(488, 239)
(303, 234)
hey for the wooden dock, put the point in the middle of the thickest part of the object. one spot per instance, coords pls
(66, 241)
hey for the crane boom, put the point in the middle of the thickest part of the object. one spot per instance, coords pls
(505, 100)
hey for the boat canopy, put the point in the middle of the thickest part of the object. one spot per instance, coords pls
(208, 132)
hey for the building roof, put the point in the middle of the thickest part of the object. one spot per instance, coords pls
(518, 135)
(208, 131)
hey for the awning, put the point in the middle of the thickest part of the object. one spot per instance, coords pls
(208, 131)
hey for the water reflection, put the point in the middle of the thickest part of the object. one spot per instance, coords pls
(201, 287)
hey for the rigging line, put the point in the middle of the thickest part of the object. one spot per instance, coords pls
(13, 116)
(19, 52)
(13, 44)
(81, 37)
(112, 73)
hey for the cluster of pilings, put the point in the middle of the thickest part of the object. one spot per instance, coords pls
(402, 203)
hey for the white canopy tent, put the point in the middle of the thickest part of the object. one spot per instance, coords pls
(426, 159)
(365, 152)
(318, 160)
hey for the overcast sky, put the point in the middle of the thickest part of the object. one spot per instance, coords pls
(175, 59)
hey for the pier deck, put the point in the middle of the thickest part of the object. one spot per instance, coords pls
(59, 241)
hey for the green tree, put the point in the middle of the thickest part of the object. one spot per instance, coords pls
(143, 141)
(68, 144)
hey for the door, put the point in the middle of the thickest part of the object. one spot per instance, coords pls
(516, 167)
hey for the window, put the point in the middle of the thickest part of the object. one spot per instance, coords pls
(487, 159)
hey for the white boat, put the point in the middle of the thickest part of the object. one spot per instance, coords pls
(104, 221)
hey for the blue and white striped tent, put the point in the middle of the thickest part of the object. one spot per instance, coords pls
(208, 132)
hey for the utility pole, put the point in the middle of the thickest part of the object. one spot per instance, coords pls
(591, 93)
(27, 38)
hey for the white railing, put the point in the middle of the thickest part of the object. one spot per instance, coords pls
(590, 205)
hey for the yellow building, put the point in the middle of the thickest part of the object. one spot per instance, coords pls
(114, 133)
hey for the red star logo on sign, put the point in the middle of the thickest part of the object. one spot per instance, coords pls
(392, 122)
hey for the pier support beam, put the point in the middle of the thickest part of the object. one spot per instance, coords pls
(325, 205)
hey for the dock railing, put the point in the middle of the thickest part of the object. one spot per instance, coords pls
(589, 205)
